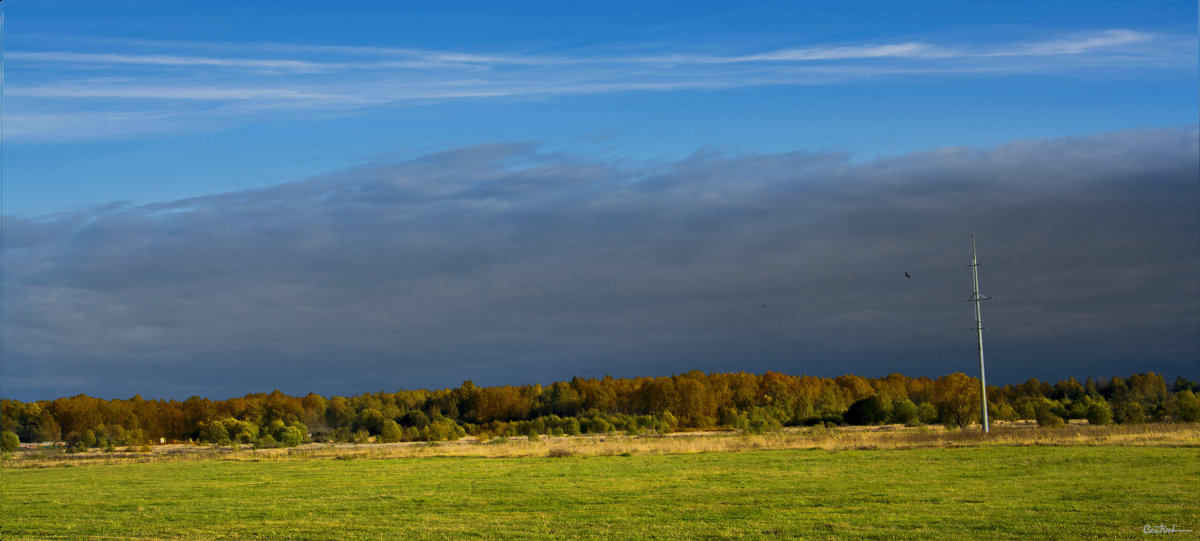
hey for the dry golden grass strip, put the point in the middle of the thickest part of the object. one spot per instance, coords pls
(832, 439)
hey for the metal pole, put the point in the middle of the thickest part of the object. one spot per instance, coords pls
(977, 298)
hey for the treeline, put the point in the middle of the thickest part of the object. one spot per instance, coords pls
(691, 401)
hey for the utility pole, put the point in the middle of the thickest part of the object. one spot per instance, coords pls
(977, 298)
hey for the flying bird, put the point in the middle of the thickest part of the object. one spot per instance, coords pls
(906, 275)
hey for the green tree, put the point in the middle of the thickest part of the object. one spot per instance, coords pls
(927, 413)
(760, 420)
(666, 422)
(905, 412)
(46, 428)
(275, 428)
(1048, 419)
(1098, 413)
(390, 432)
(873, 410)
(216, 433)
(1187, 405)
(292, 436)
(9, 441)
(1128, 412)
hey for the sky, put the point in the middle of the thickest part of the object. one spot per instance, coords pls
(222, 199)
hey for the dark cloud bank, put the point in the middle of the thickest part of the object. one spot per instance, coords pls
(504, 264)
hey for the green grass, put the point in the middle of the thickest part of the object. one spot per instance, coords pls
(984, 492)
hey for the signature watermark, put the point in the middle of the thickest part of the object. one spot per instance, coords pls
(1162, 528)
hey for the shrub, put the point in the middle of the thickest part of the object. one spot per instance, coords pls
(341, 434)
(390, 432)
(872, 410)
(596, 425)
(442, 429)
(759, 421)
(1005, 412)
(216, 433)
(905, 412)
(1128, 411)
(275, 428)
(927, 413)
(1188, 406)
(1099, 413)
(1077, 410)
(292, 436)
(560, 452)
(1049, 420)
(9, 442)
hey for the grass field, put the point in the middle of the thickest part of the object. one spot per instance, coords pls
(992, 492)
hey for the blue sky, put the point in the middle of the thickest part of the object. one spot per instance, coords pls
(496, 143)
(161, 100)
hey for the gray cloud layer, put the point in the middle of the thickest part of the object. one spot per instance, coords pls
(504, 264)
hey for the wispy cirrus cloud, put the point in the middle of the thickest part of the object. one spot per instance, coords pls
(271, 77)
(92, 59)
(1078, 44)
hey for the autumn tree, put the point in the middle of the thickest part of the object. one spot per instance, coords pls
(957, 398)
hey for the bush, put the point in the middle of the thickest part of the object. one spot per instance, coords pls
(1099, 413)
(1126, 412)
(1049, 420)
(905, 412)
(292, 436)
(1188, 406)
(560, 452)
(873, 410)
(390, 432)
(9, 442)
(442, 429)
(216, 433)
(759, 421)
(927, 413)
